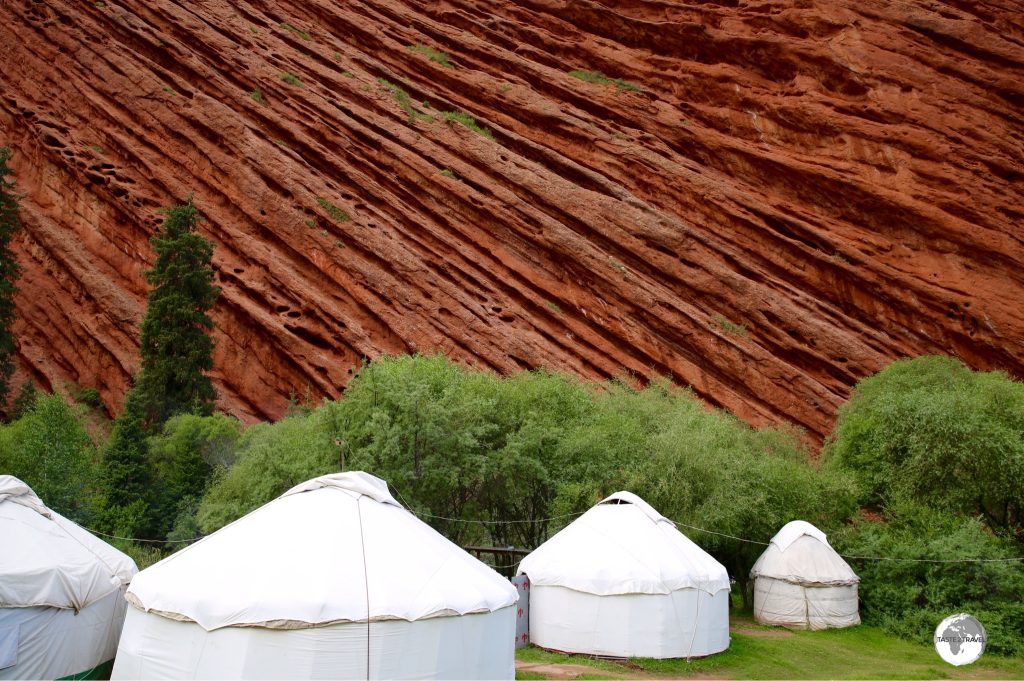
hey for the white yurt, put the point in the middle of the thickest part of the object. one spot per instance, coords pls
(333, 579)
(61, 592)
(802, 583)
(622, 581)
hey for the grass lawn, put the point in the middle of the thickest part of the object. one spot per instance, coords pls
(757, 652)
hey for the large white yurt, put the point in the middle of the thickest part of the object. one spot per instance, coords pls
(622, 581)
(333, 579)
(61, 592)
(802, 583)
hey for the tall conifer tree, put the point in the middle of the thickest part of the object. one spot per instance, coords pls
(177, 349)
(9, 273)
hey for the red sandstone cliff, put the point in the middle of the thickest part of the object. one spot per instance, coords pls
(798, 192)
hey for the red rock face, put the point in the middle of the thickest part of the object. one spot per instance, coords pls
(796, 192)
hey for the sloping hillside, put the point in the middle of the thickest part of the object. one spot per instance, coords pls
(764, 199)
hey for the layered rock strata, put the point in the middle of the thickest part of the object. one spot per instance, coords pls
(766, 200)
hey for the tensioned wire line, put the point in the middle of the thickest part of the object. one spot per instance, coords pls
(733, 537)
(889, 558)
(495, 522)
(136, 539)
(423, 514)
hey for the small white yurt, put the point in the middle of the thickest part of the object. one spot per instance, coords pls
(802, 583)
(61, 592)
(622, 581)
(333, 579)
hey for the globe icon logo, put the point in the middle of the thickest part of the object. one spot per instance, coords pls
(960, 639)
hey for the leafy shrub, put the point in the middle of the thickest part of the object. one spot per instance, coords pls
(694, 464)
(461, 444)
(271, 458)
(468, 121)
(598, 78)
(144, 555)
(910, 598)
(419, 423)
(186, 454)
(431, 53)
(404, 102)
(931, 430)
(24, 400)
(51, 451)
(291, 79)
(337, 214)
(291, 29)
(729, 326)
(88, 396)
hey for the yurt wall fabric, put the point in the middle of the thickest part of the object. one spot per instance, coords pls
(333, 561)
(61, 590)
(622, 581)
(470, 646)
(802, 583)
(682, 623)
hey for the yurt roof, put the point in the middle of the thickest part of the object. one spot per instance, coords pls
(623, 546)
(800, 553)
(47, 560)
(335, 549)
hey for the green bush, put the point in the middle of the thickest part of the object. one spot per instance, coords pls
(404, 102)
(460, 444)
(291, 29)
(88, 396)
(420, 423)
(24, 400)
(931, 430)
(911, 598)
(431, 53)
(468, 121)
(128, 478)
(185, 455)
(271, 458)
(598, 78)
(694, 464)
(337, 214)
(50, 450)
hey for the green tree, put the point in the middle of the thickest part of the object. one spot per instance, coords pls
(186, 453)
(127, 475)
(272, 458)
(701, 467)
(9, 272)
(932, 431)
(176, 346)
(50, 450)
(909, 597)
(24, 400)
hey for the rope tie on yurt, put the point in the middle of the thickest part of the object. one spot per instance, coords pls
(113, 571)
(696, 619)
(770, 587)
(366, 584)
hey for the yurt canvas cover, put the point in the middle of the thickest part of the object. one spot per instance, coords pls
(334, 579)
(61, 591)
(802, 583)
(622, 581)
